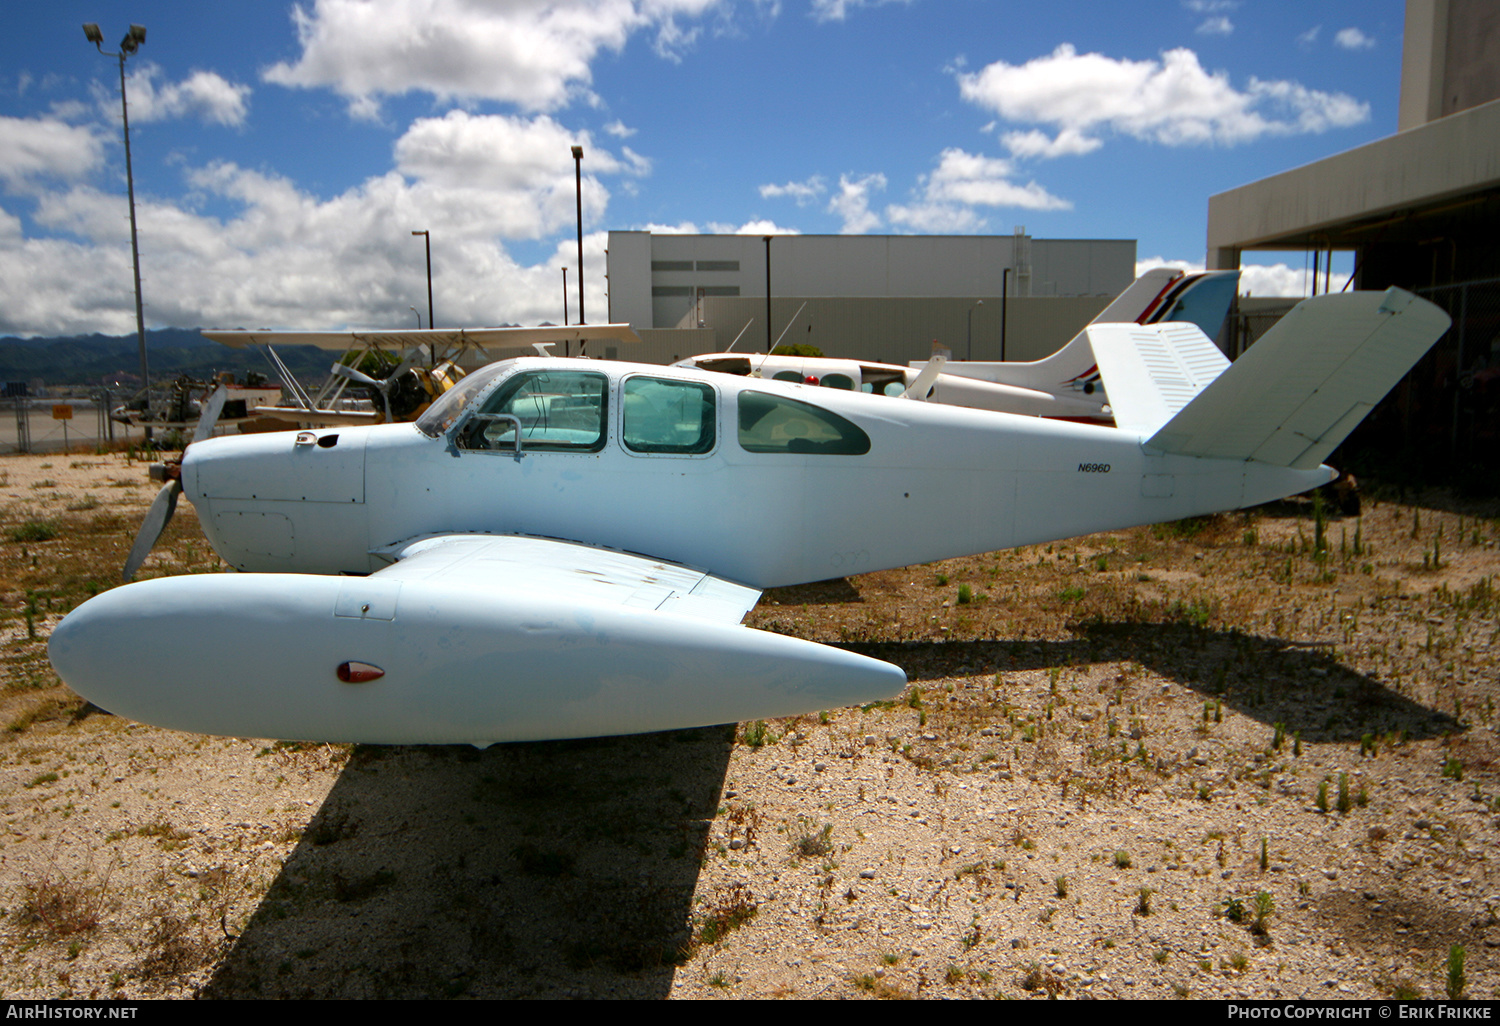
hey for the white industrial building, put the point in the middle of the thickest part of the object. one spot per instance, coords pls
(882, 297)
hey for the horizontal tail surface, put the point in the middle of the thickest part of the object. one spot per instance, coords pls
(1309, 381)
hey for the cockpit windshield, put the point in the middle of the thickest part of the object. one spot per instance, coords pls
(439, 417)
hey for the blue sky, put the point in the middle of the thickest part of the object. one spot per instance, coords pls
(283, 153)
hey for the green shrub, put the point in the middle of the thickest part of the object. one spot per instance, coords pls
(34, 531)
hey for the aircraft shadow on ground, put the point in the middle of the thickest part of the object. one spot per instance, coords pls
(835, 591)
(1269, 679)
(547, 869)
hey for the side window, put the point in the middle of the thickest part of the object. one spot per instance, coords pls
(558, 411)
(771, 423)
(665, 416)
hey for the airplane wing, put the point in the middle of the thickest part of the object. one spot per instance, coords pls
(557, 569)
(464, 638)
(483, 338)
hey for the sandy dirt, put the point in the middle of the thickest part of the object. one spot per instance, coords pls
(1203, 759)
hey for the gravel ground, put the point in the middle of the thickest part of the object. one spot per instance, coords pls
(1198, 760)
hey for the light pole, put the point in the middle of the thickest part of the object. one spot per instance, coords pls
(565, 297)
(970, 354)
(431, 349)
(767, 239)
(419, 316)
(1004, 309)
(427, 238)
(578, 192)
(129, 45)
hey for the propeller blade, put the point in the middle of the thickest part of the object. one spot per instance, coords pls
(157, 517)
(394, 377)
(209, 416)
(359, 377)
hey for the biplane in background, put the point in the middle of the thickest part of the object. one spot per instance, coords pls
(434, 360)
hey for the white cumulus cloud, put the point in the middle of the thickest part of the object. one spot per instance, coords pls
(1215, 26)
(975, 180)
(203, 94)
(1173, 101)
(962, 181)
(838, 10)
(1032, 143)
(803, 192)
(852, 203)
(758, 226)
(533, 53)
(284, 257)
(1352, 39)
(934, 218)
(44, 147)
(1275, 280)
(1263, 280)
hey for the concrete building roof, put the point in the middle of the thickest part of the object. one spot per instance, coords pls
(1341, 202)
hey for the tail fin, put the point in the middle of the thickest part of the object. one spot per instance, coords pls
(1309, 381)
(1072, 370)
(1203, 299)
(1159, 295)
(1140, 297)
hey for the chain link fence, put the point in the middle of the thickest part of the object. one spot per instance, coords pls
(62, 425)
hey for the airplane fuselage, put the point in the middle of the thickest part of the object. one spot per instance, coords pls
(567, 548)
(932, 481)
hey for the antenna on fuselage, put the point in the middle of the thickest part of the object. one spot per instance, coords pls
(789, 324)
(779, 337)
(740, 335)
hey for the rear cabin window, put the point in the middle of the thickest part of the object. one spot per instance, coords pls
(669, 417)
(559, 411)
(772, 423)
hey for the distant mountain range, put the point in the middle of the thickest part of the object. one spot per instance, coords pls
(92, 360)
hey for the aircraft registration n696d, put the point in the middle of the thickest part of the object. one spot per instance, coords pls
(566, 548)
